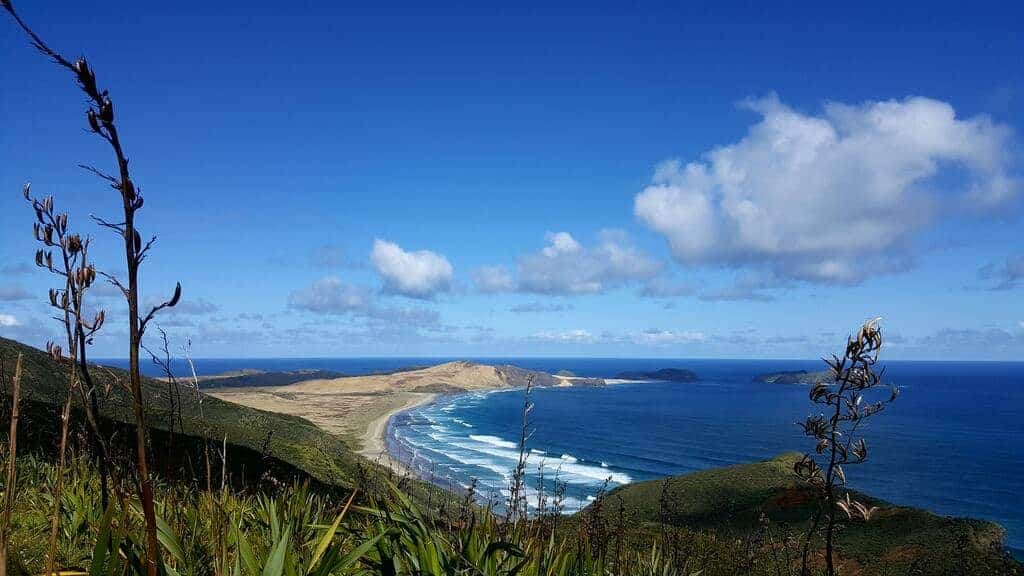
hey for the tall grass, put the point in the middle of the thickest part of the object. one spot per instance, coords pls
(291, 531)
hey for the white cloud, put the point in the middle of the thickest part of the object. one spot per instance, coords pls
(335, 297)
(330, 295)
(419, 274)
(667, 337)
(564, 336)
(8, 321)
(831, 198)
(654, 338)
(493, 279)
(565, 266)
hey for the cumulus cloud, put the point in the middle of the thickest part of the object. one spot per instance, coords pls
(830, 198)
(419, 274)
(13, 292)
(565, 266)
(333, 296)
(8, 321)
(1006, 275)
(330, 296)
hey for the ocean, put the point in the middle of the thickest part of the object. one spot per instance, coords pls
(951, 443)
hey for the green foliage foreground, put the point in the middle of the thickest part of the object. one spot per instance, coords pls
(289, 532)
(722, 522)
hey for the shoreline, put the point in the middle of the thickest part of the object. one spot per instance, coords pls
(374, 440)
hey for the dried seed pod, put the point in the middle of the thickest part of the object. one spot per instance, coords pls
(55, 352)
(177, 296)
(94, 122)
(74, 242)
(107, 111)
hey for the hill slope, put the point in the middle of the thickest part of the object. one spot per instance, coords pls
(730, 501)
(292, 441)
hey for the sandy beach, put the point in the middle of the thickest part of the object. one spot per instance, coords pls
(374, 442)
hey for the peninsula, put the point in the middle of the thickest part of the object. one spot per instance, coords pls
(358, 407)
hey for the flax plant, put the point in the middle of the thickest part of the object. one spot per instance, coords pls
(78, 274)
(853, 377)
(10, 478)
(101, 121)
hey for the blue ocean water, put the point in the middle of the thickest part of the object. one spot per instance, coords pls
(952, 442)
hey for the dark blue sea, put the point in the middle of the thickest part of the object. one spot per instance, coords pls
(951, 443)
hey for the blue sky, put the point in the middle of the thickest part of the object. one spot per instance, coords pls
(582, 179)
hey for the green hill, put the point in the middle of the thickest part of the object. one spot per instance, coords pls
(180, 417)
(738, 501)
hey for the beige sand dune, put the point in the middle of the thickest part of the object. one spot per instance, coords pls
(359, 407)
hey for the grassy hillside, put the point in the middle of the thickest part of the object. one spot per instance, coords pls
(256, 378)
(293, 441)
(737, 502)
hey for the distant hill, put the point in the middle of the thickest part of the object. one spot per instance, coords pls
(256, 378)
(793, 377)
(730, 501)
(664, 374)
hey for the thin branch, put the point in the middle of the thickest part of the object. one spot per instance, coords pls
(116, 227)
(167, 304)
(115, 183)
(114, 281)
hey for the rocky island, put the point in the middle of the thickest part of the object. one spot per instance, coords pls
(792, 377)
(662, 375)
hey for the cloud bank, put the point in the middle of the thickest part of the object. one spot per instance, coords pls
(833, 198)
(567, 267)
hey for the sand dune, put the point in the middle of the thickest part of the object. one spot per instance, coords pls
(358, 407)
